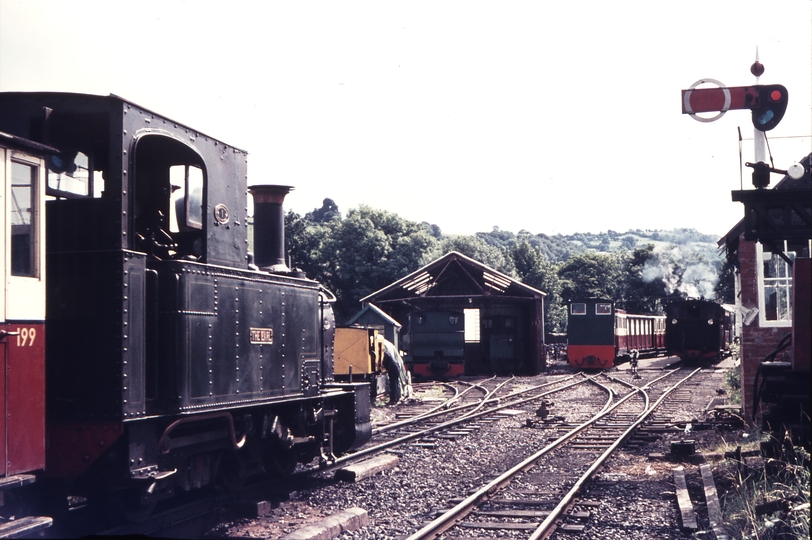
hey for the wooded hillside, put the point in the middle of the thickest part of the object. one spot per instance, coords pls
(358, 253)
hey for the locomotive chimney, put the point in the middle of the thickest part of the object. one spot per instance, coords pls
(269, 227)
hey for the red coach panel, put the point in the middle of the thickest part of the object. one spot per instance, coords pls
(25, 397)
(3, 437)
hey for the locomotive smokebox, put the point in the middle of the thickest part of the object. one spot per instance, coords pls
(269, 227)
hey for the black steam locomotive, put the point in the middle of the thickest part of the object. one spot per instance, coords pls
(174, 360)
(699, 330)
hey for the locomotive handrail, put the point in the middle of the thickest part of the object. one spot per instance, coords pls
(324, 292)
(5, 333)
(207, 416)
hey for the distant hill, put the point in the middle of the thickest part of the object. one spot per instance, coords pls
(558, 248)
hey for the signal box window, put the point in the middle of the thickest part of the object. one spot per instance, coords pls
(578, 308)
(23, 219)
(775, 281)
(603, 309)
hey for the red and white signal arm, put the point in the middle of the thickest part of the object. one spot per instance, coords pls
(767, 102)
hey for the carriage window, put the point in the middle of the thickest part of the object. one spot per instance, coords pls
(23, 219)
(578, 308)
(603, 309)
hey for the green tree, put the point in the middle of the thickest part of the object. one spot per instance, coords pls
(370, 249)
(482, 252)
(628, 242)
(642, 293)
(525, 258)
(305, 243)
(592, 275)
(532, 269)
(498, 238)
(327, 212)
(726, 286)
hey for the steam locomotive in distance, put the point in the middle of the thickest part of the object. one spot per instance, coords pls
(173, 359)
(699, 330)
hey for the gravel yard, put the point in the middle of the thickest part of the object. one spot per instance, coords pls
(633, 496)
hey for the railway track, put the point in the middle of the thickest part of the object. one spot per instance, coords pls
(537, 509)
(423, 427)
(453, 421)
(445, 410)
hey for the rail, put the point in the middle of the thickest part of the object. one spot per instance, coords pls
(448, 519)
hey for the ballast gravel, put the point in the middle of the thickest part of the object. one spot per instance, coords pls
(631, 497)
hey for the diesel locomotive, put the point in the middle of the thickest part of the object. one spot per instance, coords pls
(437, 346)
(164, 356)
(599, 334)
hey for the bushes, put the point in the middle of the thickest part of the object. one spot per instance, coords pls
(733, 381)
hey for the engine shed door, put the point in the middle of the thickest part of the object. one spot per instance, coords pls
(22, 312)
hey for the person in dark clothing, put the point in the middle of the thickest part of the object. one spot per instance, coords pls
(634, 354)
(393, 363)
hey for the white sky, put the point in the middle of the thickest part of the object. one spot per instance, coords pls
(554, 117)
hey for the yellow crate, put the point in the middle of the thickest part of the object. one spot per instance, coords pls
(355, 347)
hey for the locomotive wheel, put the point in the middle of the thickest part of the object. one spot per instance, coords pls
(232, 472)
(280, 462)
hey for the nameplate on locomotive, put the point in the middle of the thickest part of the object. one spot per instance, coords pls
(262, 335)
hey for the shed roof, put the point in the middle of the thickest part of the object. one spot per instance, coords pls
(454, 275)
(372, 308)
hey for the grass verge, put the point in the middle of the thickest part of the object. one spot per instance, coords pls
(769, 499)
